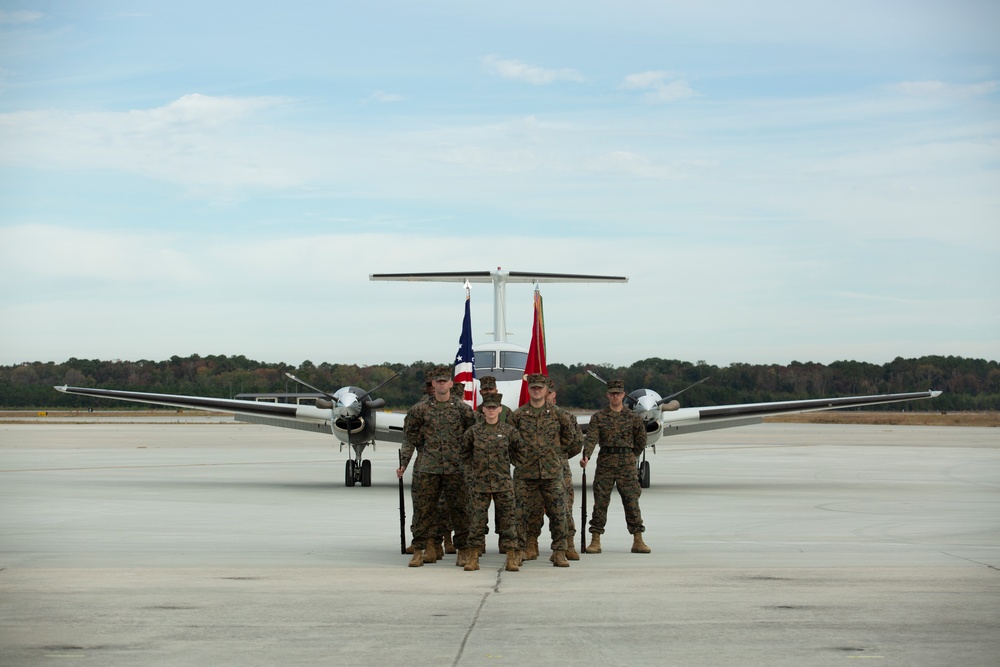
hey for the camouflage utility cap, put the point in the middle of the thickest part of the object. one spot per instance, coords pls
(552, 384)
(492, 400)
(616, 386)
(487, 383)
(537, 380)
(441, 373)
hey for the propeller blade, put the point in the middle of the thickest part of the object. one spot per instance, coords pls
(595, 375)
(664, 400)
(306, 384)
(378, 386)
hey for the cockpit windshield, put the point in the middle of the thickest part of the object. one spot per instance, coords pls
(510, 367)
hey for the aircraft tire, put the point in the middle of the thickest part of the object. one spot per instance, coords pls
(644, 475)
(349, 473)
(366, 473)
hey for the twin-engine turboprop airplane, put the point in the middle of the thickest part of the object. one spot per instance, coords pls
(358, 421)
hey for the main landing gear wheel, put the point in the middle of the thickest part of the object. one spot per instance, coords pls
(644, 475)
(366, 473)
(349, 473)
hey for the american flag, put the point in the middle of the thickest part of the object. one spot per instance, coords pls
(465, 360)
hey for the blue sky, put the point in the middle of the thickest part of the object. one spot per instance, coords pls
(779, 180)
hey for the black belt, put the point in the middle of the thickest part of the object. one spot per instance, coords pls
(615, 450)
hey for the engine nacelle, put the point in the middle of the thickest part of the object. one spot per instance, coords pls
(348, 402)
(645, 403)
(353, 416)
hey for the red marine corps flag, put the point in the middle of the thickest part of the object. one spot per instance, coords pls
(536, 351)
(465, 360)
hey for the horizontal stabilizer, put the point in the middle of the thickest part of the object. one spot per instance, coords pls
(488, 277)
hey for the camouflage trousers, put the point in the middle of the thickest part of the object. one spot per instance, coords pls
(553, 499)
(426, 490)
(616, 470)
(537, 512)
(442, 520)
(505, 513)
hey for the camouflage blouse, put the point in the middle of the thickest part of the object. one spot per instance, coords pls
(434, 429)
(617, 430)
(487, 453)
(550, 437)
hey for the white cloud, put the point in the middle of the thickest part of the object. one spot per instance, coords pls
(516, 70)
(197, 140)
(126, 294)
(80, 259)
(935, 88)
(203, 110)
(384, 97)
(657, 87)
(13, 17)
(632, 164)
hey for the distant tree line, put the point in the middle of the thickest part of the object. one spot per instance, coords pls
(969, 384)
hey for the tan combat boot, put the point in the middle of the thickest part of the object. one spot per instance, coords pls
(482, 549)
(595, 544)
(464, 555)
(531, 550)
(472, 564)
(513, 562)
(430, 554)
(558, 559)
(571, 552)
(418, 558)
(438, 549)
(409, 549)
(449, 545)
(638, 546)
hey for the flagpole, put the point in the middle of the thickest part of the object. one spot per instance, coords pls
(465, 361)
(536, 350)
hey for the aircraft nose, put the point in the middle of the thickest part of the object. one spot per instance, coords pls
(348, 406)
(646, 408)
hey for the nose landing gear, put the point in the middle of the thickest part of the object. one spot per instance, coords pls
(356, 471)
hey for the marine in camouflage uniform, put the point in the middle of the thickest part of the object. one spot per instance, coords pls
(442, 519)
(622, 438)
(550, 437)
(537, 516)
(487, 386)
(434, 429)
(487, 452)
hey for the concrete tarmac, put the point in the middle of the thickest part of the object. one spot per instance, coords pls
(209, 542)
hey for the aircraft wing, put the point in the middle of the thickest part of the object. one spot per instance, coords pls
(388, 427)
(691, 420)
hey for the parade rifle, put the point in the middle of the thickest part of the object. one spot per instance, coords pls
(583, 515)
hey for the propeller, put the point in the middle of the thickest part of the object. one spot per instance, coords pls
(647, 402)
(345, 403)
